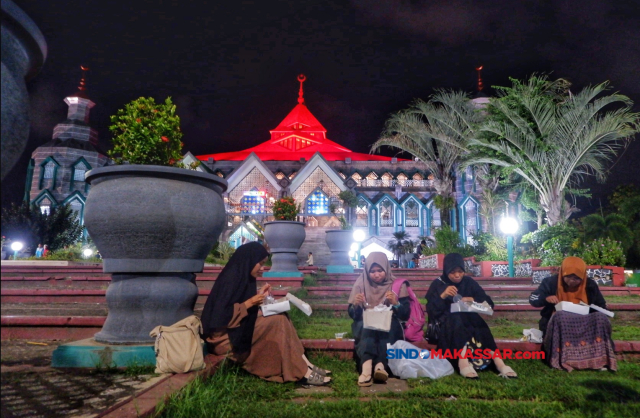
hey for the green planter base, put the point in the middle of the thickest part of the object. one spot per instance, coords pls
(339, 269)
(91, 354)
(282, 274)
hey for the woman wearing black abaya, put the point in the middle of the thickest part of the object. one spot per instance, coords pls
(464, 330)
(234, 326)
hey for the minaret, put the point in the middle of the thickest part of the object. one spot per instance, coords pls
(77, 124)
(480, 99)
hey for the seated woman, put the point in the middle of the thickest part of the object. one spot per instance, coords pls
(574, 341)
(462, 331)
(373, 287)
(234, 326)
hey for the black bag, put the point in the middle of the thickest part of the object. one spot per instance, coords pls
(433, 331)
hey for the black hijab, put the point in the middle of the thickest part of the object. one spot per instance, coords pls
(451, 261)
(235, 284)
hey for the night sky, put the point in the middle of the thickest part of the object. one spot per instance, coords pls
(231, 66)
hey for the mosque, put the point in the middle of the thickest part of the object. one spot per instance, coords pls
(299, 160)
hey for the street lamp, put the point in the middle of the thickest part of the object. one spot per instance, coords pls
(358, 237)
(509, 226)
(88, 252)
(16, 246)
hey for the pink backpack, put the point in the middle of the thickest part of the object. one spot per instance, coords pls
(413, 327)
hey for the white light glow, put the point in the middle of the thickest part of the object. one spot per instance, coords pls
(355, 246)
(359, 235)
(88, 252)
(17, 246)
(509, 226)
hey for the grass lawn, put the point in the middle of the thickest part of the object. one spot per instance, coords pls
(539, 392)
(324, 325)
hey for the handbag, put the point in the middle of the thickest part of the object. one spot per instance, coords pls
(179, 347)
(433, 331)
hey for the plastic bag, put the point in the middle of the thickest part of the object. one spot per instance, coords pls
(532, 335)
(433, 368)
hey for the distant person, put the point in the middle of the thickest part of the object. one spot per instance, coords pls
(372, 288)
(310, 260)
(461, 331)
(411, 264)
(233, 325)
(421, 247)
(45, 250)
(39, 251)
(574, 341)
(363, 260)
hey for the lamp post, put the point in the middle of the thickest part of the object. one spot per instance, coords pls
(358, 237)
(16, 246)
(87, 252)
(509, 226)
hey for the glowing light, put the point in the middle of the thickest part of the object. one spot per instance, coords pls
(359, 235)
(88, 252)
(509, 226)
(17, 246)
(355, 246)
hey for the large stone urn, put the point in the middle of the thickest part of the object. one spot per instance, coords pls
(285, 239)
(23, 53)
(339, 242)
(153, 226)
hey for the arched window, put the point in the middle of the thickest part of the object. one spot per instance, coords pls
(45, 206)
(386, 213)
(253, 201)
(387, 180)
(412, 213)
(402, 179)
(362, 213)
(317, 203)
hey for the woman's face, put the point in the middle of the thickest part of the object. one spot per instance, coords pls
(258, 267)
(572, 281)
(456, 275)
(377, 274)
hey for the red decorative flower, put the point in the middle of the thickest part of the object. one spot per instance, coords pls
(155, 110)
(172, 161)
(138, 120)
(181, 144)
(164, 139)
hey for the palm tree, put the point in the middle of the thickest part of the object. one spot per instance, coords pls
(398, 244)
(552, 138)
(613, 226)
(435, 132)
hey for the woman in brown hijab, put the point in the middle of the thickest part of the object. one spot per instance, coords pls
(574, 341)
(371, 289)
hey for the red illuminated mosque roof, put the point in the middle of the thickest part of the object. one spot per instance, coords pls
(299, 135)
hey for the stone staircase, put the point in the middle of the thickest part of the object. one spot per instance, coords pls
(315, 243)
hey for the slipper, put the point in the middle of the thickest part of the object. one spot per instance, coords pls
(380, 376)
(469, 372)
(506, 373)
(365, 383)
(318, 370)
(314, 379)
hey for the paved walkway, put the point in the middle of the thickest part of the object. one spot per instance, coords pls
(30, 388)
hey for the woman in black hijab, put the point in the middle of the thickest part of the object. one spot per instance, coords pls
(464, 330)
(234, 326)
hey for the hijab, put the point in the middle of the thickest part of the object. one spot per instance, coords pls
(451, 261)
(374, 292)
(235, 284)
(573, 265)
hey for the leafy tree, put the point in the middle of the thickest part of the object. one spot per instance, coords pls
(28, 224)
(437, 133)
(612, 226)
(626, 202)
(552, 138)
(398, 245)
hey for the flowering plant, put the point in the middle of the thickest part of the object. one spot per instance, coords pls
(146, 132)
(604, 252)
(285, 209)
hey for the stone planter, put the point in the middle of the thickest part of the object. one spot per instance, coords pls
(24, 50)
(339, 242)
(285, 239)
(154, 226)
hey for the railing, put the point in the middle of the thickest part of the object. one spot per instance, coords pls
(393, 183)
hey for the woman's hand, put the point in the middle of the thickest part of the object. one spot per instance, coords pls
(254, 301)
(552, 299)
(360, 300)
(449, 291)
(391, 297)
(265, 290)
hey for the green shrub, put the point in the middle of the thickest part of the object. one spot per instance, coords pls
(490, 247)
(448, 241)
(604, 252)
(285, 209)
(553, 243)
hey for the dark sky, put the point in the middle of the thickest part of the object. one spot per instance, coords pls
(231, 66)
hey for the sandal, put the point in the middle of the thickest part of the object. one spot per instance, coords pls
(380, 376)
(508, 373)
(365, 383)
(314, 379)
(469, 372)
(320, 371)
